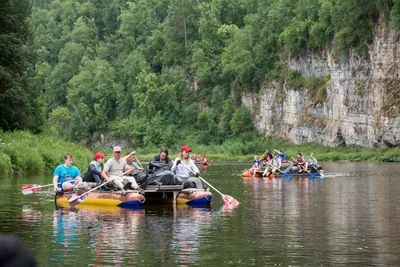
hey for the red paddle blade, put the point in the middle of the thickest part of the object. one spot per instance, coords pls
(76, 198)
(232, 202)
(29, 189)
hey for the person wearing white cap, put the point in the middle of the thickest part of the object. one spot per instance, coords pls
(115, 167)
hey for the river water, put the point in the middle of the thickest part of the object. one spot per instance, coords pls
(350, 217)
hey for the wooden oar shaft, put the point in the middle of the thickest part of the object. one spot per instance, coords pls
(275, 167)
(140, 164)
(216, 190)
(91, 190)
(31, 186)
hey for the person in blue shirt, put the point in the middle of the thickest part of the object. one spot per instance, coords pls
(281, 155)
(66, 176)
(256, 166)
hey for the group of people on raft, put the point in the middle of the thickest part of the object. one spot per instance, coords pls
(273, 162)
(202, 160)
(126, 174)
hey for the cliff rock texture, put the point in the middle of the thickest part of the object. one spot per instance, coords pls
(358, 104)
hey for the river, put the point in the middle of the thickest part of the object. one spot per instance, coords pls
(350, 217)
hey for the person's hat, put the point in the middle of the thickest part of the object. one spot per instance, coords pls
(98, 155)
(186, 148)
(117, 148)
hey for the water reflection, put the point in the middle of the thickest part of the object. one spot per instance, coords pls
(350, 219)
(30, 216)
(187, 226)
(115, 236)
(65, 236)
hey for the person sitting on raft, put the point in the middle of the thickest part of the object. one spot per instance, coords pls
(131, 160)
(256, 166)
(184, 166)
(312, 161)
(281, 155)
(301, 162)
(160, 170)
(66, 177)
(93, 173)
(161, 161)
(205, 159)
(114, 169)
(275, 165)
(267, 157)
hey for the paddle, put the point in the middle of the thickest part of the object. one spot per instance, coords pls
(287, 175)
(32, 188)
(312, 175)
(77, 198)
(140, 164)
(318, 171)
(228, 200)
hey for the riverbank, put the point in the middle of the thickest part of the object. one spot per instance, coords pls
(25, 153)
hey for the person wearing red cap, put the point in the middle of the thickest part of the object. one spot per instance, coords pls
(93, 173)
(184, 166)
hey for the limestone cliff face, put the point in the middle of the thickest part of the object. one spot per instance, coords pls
(362, 102)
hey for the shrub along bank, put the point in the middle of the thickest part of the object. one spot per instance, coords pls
(22, 152)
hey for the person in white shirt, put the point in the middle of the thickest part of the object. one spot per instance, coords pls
(115, 168)
(184, 166)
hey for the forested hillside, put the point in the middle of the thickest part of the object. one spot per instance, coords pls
(156, 72)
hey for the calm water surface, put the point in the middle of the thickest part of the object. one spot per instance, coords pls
(349, 218)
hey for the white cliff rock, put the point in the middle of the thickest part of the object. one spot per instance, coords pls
(362, 101)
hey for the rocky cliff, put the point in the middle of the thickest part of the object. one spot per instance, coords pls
(358, 103)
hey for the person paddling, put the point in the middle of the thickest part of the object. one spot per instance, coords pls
(115, 168)
(183, 172)
(301, 162)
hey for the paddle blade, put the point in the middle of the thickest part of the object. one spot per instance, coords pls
(27, 191)
(30, 189)
(76, 198)
(321, 174)
(287, 175)
(232, 202)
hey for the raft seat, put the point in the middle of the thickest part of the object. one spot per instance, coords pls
(163, 188)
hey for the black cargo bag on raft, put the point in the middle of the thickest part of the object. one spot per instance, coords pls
(141, 177)
(163, 177)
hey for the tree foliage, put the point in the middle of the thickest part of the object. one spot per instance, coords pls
(19, 107)
(150, 70)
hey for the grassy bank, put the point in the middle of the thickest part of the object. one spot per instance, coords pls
(25, 153)
(245, 147)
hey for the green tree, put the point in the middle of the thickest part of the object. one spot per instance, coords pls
(241, 121)
(19, 106)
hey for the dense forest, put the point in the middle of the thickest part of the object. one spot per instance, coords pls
(158, 72)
